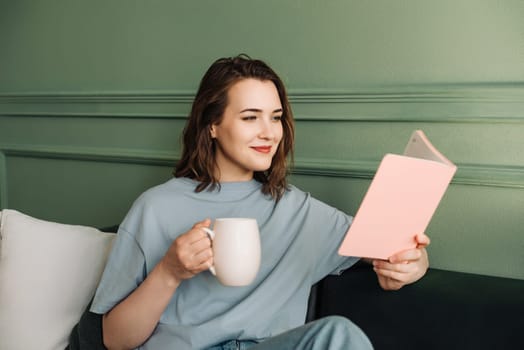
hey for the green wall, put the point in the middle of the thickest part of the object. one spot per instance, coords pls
(94, 94)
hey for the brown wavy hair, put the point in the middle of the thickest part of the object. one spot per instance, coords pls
(198, 160)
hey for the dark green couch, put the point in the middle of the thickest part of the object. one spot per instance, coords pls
(444, 310)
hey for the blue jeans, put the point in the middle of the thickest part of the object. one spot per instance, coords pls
(329, 333)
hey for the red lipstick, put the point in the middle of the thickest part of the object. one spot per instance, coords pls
(262, 149)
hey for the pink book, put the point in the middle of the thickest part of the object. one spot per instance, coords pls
(400, 201)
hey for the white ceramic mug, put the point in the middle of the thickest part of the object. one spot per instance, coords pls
(236, 250)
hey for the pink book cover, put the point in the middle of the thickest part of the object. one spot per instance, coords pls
(400, 201)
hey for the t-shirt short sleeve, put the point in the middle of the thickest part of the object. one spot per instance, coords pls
(123, 273)
(333, 225)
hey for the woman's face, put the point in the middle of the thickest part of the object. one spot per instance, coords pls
(250, 131)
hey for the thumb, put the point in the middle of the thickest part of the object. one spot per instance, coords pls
(422, 240)
(203, 223)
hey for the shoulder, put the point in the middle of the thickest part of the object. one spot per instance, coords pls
(170, 194)
(157, 204)
(294, 192)
(168, 190)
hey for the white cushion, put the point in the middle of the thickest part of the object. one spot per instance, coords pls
(48, 274)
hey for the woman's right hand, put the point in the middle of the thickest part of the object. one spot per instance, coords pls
(189, 254)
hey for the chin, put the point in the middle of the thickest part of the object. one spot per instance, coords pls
(261, 168)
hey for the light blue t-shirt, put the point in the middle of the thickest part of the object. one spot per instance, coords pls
(299, 235)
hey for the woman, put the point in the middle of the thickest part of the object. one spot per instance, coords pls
(156, 292)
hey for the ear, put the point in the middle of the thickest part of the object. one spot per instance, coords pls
(212, 131)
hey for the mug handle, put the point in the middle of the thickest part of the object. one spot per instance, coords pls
(211, 235)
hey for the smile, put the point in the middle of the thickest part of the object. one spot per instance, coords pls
(262, 149)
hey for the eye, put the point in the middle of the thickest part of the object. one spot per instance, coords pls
(249, 117)
(277, 118)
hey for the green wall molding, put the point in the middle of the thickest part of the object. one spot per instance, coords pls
(412, 94)
(98, 97)
(115, 115)
(142, 157)
(443, 93)
(491, 119)
(454, 103)
(467, 174)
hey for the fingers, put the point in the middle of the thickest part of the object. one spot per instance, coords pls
(414, 254)
(195, 234)
(406, 256)
(383, 265)
(198, 263)
(422, 240)
(190, 253)
(394, 276)
(203, 223)
(195, 240)
(404, 267)
(201, 251)
(389, 283)
(193, 249)
(406, 262)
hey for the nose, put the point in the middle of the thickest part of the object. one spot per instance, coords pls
(268, 129)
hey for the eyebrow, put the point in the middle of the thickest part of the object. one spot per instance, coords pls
(256, 110)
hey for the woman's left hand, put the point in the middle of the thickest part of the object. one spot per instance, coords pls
(405, 267)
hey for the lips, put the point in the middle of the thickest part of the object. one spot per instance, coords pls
(262, 149)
